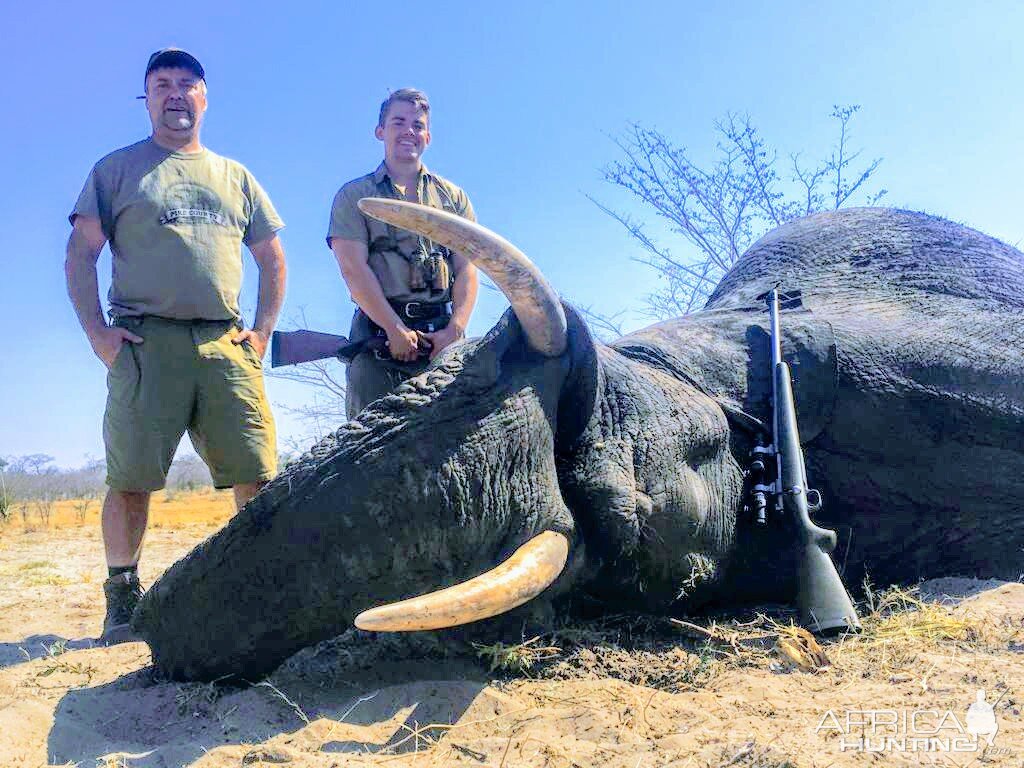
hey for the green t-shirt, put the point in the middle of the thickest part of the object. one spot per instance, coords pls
(176, 223)
(391, 249)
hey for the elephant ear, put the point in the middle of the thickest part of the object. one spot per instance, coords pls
(579, 397)
(579, 387)
(484, 363)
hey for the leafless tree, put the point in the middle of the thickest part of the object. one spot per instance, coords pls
(721, 208)
(33, 477)
(605, 327)
(81, 505)
(44, 508)
(327, 409)
(24, 508)
(31, 464)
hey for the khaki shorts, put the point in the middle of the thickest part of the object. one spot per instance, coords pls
(186, 375)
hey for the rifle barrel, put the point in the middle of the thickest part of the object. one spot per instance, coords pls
(773, 313)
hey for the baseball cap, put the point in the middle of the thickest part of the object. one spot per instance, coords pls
(174, 57)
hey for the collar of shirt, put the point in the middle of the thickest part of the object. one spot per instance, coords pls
(382, 173)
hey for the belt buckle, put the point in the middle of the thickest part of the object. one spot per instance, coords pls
(412, 309)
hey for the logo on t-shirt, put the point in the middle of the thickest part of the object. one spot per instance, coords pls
(191, 203)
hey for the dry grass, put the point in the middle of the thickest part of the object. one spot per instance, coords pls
(752, 755)
(518, 658)
(196, 699)
(899, 631)
(205, 507)
(35, 565)
(46, 580)
(902, 615)
(35, 573)
(905, 638)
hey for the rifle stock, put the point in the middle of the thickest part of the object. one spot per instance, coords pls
(292, 347)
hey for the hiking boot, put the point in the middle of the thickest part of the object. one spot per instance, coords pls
(123, 593)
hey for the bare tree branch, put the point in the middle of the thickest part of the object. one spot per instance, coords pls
(721, 208)
(605, 327)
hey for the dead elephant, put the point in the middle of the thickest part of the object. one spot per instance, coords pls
(620, 467)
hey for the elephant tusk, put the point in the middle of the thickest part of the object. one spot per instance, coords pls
(529, 571)
(533, 300)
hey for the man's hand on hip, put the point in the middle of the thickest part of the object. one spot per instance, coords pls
(106, 342)
(257, 339)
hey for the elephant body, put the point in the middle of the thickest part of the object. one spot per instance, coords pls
(909, 380)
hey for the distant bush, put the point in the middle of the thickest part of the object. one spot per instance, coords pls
(35, 478)
(188, 474)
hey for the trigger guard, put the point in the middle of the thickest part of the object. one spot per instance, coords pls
(813, 500)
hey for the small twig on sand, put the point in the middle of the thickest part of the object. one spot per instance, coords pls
(745, 750)
(478, 756)
(285, 699)
(701, 631)
(358, 701)
(730, 640)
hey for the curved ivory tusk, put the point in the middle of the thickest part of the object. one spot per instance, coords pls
(529, 571)
(532, 298)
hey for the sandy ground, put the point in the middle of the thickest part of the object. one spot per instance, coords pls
(713, 694)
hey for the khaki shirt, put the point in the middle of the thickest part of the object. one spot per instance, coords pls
(176, 222)
(391, 249)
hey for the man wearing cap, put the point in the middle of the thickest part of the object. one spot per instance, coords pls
(178, 359)
(417, 294)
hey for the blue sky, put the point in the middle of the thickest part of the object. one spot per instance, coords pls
(524, 98)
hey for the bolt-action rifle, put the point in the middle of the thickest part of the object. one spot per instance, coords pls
(291, 347)
(778, 482)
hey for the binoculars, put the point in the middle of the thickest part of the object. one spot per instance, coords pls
(429, 269)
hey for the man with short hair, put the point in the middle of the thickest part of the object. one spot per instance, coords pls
(175, 215)
(416, 293)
